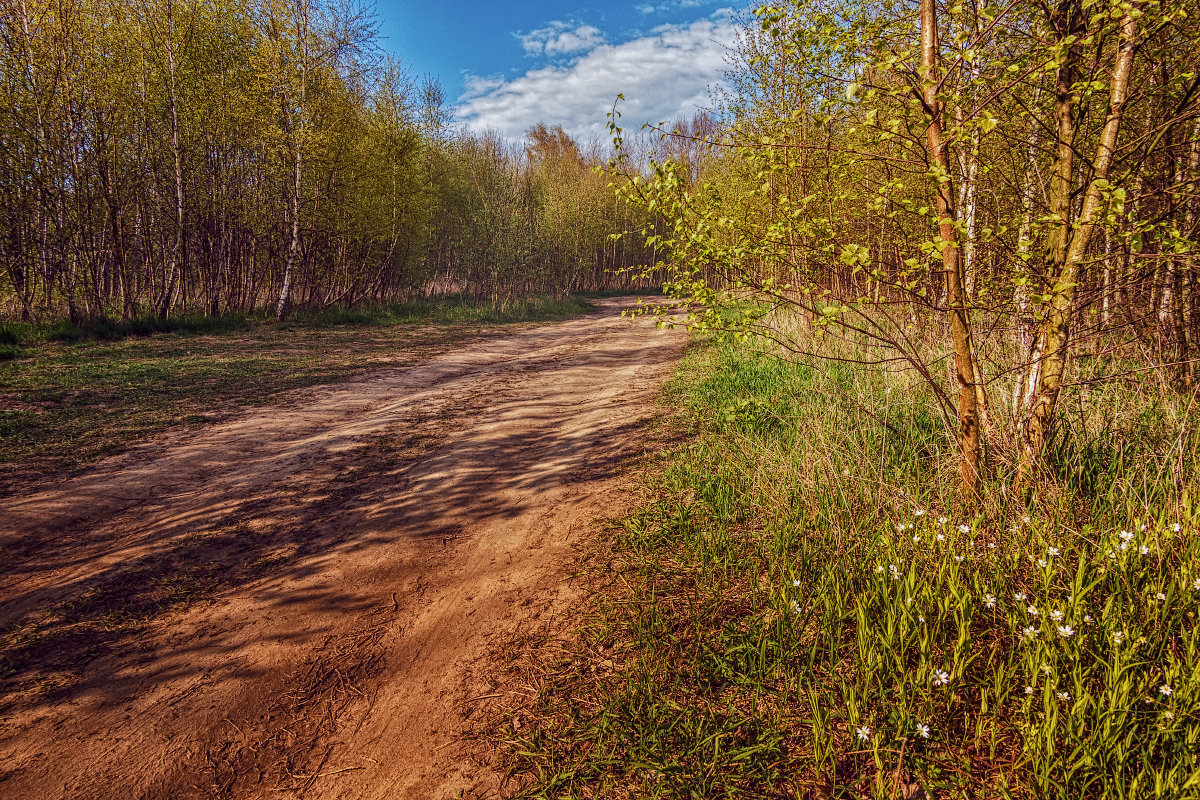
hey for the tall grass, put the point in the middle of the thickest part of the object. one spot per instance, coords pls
(800, 608)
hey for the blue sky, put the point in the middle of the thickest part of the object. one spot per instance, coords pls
(507, 66)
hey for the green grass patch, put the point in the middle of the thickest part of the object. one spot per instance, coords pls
(66, 400)
(799, 609)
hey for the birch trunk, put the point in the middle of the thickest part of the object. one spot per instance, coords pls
(1069, 242)
(960, 331)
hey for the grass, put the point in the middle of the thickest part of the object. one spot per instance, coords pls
(799, 601)
(71, 395)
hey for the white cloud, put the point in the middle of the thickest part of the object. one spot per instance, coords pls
(561, 39)
(663, 76)
(672, 5)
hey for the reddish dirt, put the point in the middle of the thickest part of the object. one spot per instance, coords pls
(305, 601)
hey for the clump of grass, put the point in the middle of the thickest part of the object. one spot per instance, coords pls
(801, 609)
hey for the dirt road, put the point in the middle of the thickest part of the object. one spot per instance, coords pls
(301, 602)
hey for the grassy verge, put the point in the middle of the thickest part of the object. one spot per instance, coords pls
(71, 395)
(798, 609)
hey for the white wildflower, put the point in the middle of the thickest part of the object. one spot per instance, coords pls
(941, 537)
(1196, 584)
(1028, 690)
(1046, 670)
(1164, 690)
(964, 528)
(1144, 550)
(1161, 596)
(1033, 612)
(892, 568)
(1056, 615)
(1118, 637)
(921, 620)
(1052, 551)
(991, 545)
(1066, 631)
(1064, 696)
(796, 608)
(1087, 618)
(1176, 528)
(878, 569)
(1025, 519)
(1030, 632)
(940, 677)
(922, 731)
(1019, 597)
(1126, 536)
(990, 600)
(920, 512)
(1041, 562)
(864, 733)
(942, 520)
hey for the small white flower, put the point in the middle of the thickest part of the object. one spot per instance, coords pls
(1161, 596)
(1066, 631)
(1196, 584)
(1164, 690)
(864, 733)
(1168, 715)
(910, 601)
(923, 731)
(1025, 519)
(1019, 597)
(892, 568)
(1064, 696)
(1056, 615)
(1087, 618)
(1124, 546)
(1144, 550)
(1046, 670)
(1041, 562)
(1030, 632)
(1176, 528)
(941, 537)
(1126, 536)
(1033, 612)
(920, 512)
(916, 539)
(796, 608)
(1118, 637)
(878, 569)
(899, 527)
(991, 545)
(964, 528)
(1028, 690)
(942, 520)
(959, 559)
(921, 620)
(940, 678)
(1143, 527)
(989, 600)
(1052, 551)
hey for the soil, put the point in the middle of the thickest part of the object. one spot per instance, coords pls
(308, 600)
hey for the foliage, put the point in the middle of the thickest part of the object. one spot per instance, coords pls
(808, 611)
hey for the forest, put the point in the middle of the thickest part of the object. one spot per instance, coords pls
(193, 158)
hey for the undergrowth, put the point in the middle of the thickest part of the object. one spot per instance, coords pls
(800, 609)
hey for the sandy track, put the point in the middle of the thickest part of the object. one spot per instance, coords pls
(301, 601)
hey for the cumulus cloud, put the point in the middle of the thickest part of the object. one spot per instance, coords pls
(671, 5)
(663, 76)
(561, 39)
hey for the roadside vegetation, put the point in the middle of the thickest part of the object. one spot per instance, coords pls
(70, 394)
(801, 607)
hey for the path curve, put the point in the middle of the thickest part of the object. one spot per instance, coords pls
(296, 602)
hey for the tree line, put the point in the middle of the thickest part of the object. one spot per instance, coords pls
(1017, 181)
(184, 157)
